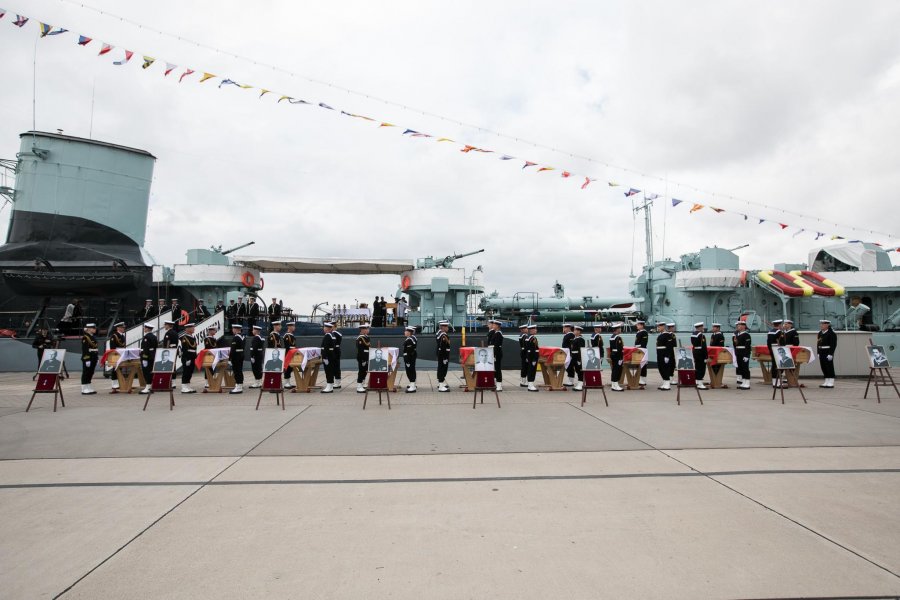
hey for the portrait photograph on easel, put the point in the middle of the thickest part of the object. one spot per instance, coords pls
(685, 360)
(52, 361)
(377, 361)
(274, 361)
(590, 359)
(877, 357)
(783, 358)
(484, 360)
(165, 361)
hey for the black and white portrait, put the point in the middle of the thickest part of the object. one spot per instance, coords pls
(378, 362)
(484, 359)
(685, 360)
(165, 361)
(590, 359)
(274, 360)
(877, 358)
(783, 358)
(52, 361)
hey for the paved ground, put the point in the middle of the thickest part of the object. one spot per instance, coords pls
(742, 497)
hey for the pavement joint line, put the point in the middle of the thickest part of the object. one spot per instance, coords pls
(474, 479)
(871, 412)
(755, 501)
(712, 477)
(177, 505)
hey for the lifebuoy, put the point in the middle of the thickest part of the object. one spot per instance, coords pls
(262, 283)
(404, 283)
(185, 317)
(247, 279)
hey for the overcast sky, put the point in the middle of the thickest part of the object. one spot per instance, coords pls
(791, 104)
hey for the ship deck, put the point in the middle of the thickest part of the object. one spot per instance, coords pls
(742, 497)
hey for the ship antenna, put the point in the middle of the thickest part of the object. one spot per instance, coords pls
(34, 93)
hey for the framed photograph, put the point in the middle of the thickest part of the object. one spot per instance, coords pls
(378, 362)
(484, 360)
(783, 358)
(52, 361)
(273, 361)
(684, 360)
(590, 359)
(877, 358)
(164, 362)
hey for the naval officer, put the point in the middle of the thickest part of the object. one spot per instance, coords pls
(791, 335)
(410, 352)
(188, 355)
(698, 341)
(257, 353)
(568, 336)
(577, 344)
(149, 344)
(597, 341)
(236, 357)
(495, 340)
(616, 356)
(170, 336)
(274, 339)
(532, 353)
(523, 369)
(665, 355)
(716, 340)
(89, 357)
(328, 356)
(287, 342)
(775, 337)
(363, 343)
(442, 341)
(743, 346)
(116, 340)
(826, 344)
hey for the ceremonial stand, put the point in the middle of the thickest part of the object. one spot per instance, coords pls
(484, 380)
(272, 383)
(305, 375)
(161, 382)
(553, 367)
(784, 375)
(126, 366)
(762, 355)
(719, 357)
(878, 380)
(687, 378)
(47, 383)
(219, 379)
(631, 363)
(378, 382)
(593, 380)
(467, 362)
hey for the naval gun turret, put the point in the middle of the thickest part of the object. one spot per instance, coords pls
(429, 262)
(437, 290)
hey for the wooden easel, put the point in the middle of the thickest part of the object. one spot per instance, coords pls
(593, 380)
(880, 379)
(272, 383)
(378, 382)
(161, 382)
(686, 378)
(484, 380)
(783, 378)
(47, 383)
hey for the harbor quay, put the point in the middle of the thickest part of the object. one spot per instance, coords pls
(742, 496)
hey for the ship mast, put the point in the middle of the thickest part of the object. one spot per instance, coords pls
(645, 206)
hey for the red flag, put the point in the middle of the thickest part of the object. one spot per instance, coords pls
(105, 49)
(783, 226)
(587, 182)
(527, 164)
(185, 74)
(566, 174)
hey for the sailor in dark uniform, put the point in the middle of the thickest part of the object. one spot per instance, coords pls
(363, 343)
(495, 340)
(442, 341)
(698, 341)
(616, 356)
(642, 340)
(338, 340)
(202, 312)
(89, 357)
(210, 341)
(717, 340)
(532, 353)
(236, 358)
(665, 355)
(577, 344)
(274, 339)
(176, 314)
(743, 347)
(523, 369)
(257, 353)
(149, 344)
(409, 357)
(252, 312)
(826, 344)
(170, 336)
(161, 307)
(42, 341)
(791, 335)
(328, 356)
(288, 342)
(116, 341)
(597, 340)
(188, 355)
(775, 337)
(240, 312)
(568, 336)
(148, 312)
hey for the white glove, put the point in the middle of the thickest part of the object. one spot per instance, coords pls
(620, 363)
(325, 361)
(144, 363)
(252, 360)
(446, 361)
(87, 363)
(666, 360)
(830, 357)
(746, 359)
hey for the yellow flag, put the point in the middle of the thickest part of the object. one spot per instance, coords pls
(696, 207)
(206, 76)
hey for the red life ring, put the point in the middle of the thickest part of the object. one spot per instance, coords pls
(262, 283)
(404, 283)
(185, 317)
(247, 279)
